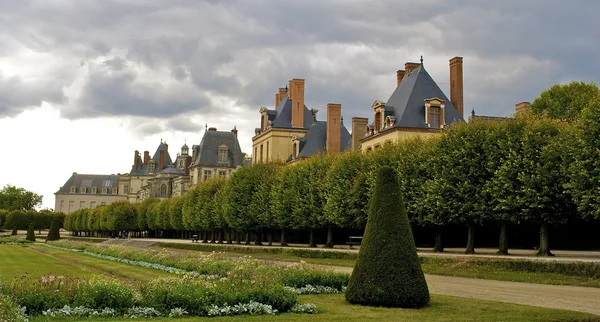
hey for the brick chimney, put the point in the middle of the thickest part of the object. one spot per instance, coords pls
(277, 99)
(146, 157)
(334, 128)
(136, 157)
(408, 67)
(399, 76)
(282, 92)
(523, 108)
(234, 131)
(358, 130)
(296, 91)
(161, 160)
(456, 84)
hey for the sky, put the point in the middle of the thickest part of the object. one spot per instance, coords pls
(83, 84)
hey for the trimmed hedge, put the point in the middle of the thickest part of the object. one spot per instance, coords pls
(388, 271)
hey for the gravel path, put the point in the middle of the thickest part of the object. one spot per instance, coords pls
(573, 298)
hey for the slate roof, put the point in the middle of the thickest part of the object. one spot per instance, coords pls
(281, 117)
(207, 152)
(315, 140)
(407, 103)
(142, 169)
(172, 170)
(90, 180)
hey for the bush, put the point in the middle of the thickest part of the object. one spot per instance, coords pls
(9, 310)
(54, 233)
(31, 232)
(388, 271)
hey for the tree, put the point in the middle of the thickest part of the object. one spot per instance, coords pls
(3, 214)
(54, 233)
(565, 102)
(175, 215)
(31, 232)
(13, 198)
(388, 271)
(122, 216)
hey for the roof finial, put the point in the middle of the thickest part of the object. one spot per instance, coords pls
(286, 90)
(421, 60)
(160, 140)
(205, 127)
(473, 112)
(234, 127)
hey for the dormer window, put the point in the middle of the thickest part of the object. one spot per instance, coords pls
(114, 191)
(83, 189)
(104, 190)
(435, 113)
(94, 190)
(223, 153)
(73, 189)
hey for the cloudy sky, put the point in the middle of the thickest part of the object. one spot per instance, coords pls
(85, 83)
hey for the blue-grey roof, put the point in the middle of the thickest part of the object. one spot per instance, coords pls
(281, 117)
(207, 152)
(315, 140)
(407, 103)
(88, 181)
(173, 171)
(142, 169)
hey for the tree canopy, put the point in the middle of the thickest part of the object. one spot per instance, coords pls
(13, 198)
(565, 101)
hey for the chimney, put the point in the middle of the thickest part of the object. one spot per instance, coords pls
(399, 76)
(522, 108)
(456, 84)
(297, 93)
(358, 129)
(161, 160)
(334, 128)
(212, 129)
(408, 67)
(234, 131)
(136, 157)
(146, 157)
(282, 92)
(277, 98)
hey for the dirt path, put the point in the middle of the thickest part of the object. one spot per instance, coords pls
(573, 298)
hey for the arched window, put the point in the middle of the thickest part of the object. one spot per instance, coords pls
(294, 149)
(163, 190)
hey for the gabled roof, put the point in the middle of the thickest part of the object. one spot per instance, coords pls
(407, 103)
(208, 150)
(281, 117)
(90, 180)
(315, 140)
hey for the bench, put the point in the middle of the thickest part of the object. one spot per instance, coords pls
(195, 239)
(354, 240)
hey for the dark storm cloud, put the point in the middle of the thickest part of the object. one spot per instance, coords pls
(17, 94)
(183, 124)
(163, 59)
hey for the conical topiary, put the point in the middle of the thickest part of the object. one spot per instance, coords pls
(53, 233)
(31, 232)
(388, 271)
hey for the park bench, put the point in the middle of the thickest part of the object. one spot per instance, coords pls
(195, 239)
(354, 240)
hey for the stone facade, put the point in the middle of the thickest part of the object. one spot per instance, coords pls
(87, 191)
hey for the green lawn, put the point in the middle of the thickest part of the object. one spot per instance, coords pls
(442, 308)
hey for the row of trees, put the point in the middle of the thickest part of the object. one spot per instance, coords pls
(18, 219)
(529, 169)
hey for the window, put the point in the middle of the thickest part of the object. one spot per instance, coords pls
(92, 204)
(261, 153)
(222, 155)
(255, 158)
(104, 190)
(435, 114)
(71, 206)
(222, 174)
(114, 191)
(126, 189)
(83, 189)
(370, 148)
(262, 123)
(181, 163)
(81, 204)
(377, 146)
(73, 189)
(207, 174)
(94, 190)
(163, 190)
(62, 205)
(103, 203)
(267, 157)
(294, 148)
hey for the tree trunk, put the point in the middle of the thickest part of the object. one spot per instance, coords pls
(258, 239)
(247, 241)
(238, 237)
(329, 243)
(230, 237)
(503, 248)
(470, 239)
(439, 240)
(544, 241)
(14, 232)
(283, 243)
(213, 237)
(270, 237)
(311, 239)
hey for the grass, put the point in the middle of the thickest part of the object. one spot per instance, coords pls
(494, 269)
(442, 308)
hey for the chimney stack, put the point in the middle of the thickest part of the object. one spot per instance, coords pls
(161, 160)
(146, 157)
(456, 84)
(136, 157)
(277, 99)
(399, 76)
(408, 67)
(296, 92)
(358, 129)
(523, 108)
(282, 92)
(334, 128)
(234, 131)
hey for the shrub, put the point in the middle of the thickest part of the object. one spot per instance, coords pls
(54, 233)
(9, 310)
(31, 232)
(388, 272)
